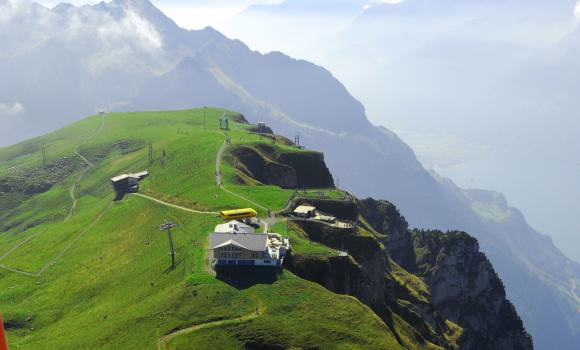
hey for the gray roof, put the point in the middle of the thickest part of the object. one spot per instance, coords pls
(304, 209)
(234, 226)
(138, 176)
(251, 241)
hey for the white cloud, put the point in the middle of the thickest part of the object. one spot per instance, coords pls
(187, 14)
(200, 14)
(53, 3)
(577, 10)
(131, 27)
(10, 109)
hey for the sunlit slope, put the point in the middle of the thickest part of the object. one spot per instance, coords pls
(96, 275)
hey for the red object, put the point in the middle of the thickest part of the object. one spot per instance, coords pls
(3, 341)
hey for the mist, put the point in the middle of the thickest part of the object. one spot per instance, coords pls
(484, 93)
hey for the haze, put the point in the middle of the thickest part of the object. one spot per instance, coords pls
(483, 93)
(465, 64)
(463, 84)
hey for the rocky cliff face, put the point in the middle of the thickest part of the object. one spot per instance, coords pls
(385, 218)
(371, 276)
(270, 166)
(437, 283)
(365, 252)
(466, 289)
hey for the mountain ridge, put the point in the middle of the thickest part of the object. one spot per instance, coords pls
(221, 72)
(114, 268)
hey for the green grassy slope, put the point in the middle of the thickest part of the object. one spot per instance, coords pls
(100, 278)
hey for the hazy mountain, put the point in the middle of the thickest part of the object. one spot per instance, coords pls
(65, 63)
(449, 74)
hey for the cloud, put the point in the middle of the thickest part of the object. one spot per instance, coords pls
(132, 27)
(7, 109)
(52, 3)
(114, 28)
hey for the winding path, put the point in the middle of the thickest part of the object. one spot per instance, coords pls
(167, 338)
(260, 309)
(173, 205)
(7, 254)
(88, 164)
(219, 181)
(63, 251)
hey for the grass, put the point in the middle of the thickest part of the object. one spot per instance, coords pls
(414, 284)
(300, 314)
(107, 284)
(301, 245)
(323, 193)
(454, 333)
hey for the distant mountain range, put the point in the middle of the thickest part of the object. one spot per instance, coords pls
(443, 71)
(62, 64)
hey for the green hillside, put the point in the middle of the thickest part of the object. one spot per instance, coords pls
(78, 270)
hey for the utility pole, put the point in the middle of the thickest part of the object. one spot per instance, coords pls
(43, 155)
(204, 107)
(166, 226)
(150, 152)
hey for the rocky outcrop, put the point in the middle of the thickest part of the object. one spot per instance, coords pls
(345, 210)
(386, 219)
(269, 165)
(438, 283)
(364, 250)
(466, 289)
(339, 274)
(265, 130)
(255, 165)
(367, 275)
(240, 118)
(444, 291)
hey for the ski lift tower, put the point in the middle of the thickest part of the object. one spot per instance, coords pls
(167, 226)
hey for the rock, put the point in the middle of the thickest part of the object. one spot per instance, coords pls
(466, 290)
(269, 166)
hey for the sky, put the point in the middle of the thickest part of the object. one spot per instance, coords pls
(195, 14)
(189, 14)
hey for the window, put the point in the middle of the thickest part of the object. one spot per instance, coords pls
(232, 248)
(231, 252)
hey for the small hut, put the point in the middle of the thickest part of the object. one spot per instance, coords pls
(128, 183)
(305, 211)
